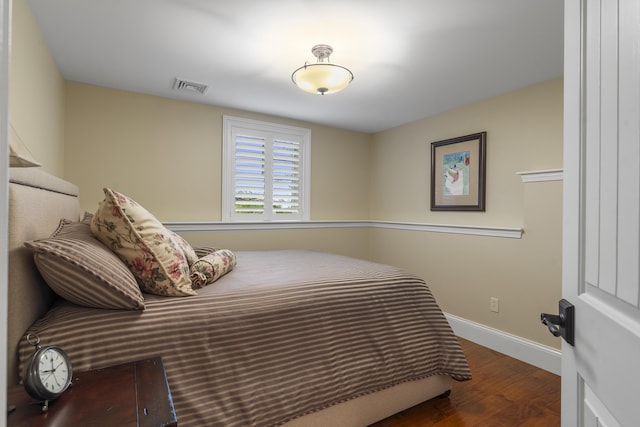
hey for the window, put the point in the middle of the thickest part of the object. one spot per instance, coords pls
(266, 169)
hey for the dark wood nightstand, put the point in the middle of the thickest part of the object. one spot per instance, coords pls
(132, 394)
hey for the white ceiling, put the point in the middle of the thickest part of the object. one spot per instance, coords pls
(411, 58)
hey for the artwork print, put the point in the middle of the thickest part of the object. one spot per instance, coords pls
(458, 173)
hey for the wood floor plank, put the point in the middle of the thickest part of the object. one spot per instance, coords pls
(503, 392)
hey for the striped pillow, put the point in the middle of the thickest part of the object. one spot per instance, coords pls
(84, 271)
(202, 251)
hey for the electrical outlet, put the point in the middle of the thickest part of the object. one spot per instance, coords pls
(494, 304)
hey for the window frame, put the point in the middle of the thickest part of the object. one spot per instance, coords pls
(270, 131)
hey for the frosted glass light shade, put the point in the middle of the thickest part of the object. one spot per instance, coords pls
(322, 78)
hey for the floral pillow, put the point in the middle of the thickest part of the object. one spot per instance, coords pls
(144, 244)
(189, 252)
(211, 267)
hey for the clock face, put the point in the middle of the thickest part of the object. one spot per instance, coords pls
(53, 371)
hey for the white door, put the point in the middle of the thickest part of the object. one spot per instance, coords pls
(601, 225)
(4, 200)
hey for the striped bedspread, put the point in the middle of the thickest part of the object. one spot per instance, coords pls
(284, 334)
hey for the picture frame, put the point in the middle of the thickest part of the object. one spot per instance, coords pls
(458, 173)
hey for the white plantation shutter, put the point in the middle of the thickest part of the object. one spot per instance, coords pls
(249, 186)
(265, 171)
(285, 179)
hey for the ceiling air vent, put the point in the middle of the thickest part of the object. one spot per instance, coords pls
(187, 86)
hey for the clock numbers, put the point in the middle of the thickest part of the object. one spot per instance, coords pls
(53, 371)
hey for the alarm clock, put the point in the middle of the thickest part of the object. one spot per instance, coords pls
(47, 373)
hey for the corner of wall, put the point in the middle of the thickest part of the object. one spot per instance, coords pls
(36, 91)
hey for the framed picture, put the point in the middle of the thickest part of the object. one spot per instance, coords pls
(458, 173)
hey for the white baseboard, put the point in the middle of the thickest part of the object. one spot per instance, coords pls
(531, 352)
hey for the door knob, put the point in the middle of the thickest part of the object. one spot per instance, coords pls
(562, 324)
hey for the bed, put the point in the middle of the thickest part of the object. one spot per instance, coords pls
(292, 338)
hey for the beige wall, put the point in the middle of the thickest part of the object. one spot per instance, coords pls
(36, 91)
(343, 241)
(463, 272)
(167, 155)
(524, 133)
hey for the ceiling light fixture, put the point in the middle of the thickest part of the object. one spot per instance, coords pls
(322, 77)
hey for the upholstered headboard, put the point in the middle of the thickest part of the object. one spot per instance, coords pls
(37, 203)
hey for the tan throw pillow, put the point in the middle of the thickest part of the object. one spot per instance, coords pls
(144, 244)
(211, 267)
(84, 271)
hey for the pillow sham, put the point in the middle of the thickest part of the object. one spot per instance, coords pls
(189, 252)
(84, 271)
(143, 243)
(211, 267)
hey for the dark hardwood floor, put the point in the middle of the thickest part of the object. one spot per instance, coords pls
(503, 392)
